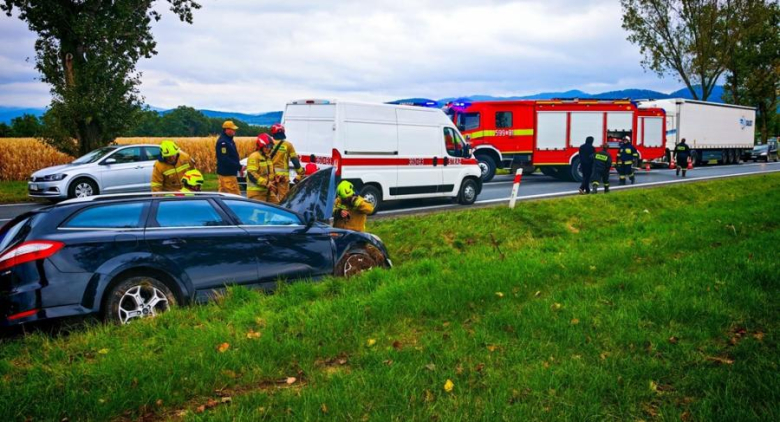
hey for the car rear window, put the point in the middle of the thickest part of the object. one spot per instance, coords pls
(250, 214)
(188, 213)
(111, 216)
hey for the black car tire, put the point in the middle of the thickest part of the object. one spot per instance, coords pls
(122, 303)
(79, 185)
(488, 167)
(356, 261)
(575, 170)
(468, 192)
(373, 196)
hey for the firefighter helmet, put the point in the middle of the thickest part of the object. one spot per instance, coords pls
(168, 149)
(277, 131)
(263, 140)
(192, 179)
(345, 189)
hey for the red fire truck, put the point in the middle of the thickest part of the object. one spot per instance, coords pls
(547, 133)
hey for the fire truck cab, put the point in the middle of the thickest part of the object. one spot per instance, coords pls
(547, 133)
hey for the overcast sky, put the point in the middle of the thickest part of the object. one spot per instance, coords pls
(254, 55)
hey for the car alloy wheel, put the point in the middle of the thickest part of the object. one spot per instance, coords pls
(83, 190)
(138, 297)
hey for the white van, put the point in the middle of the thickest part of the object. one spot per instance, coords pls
(387, 151)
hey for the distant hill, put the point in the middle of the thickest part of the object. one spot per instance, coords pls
(270, 118)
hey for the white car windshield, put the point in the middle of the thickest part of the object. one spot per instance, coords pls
(94, 155)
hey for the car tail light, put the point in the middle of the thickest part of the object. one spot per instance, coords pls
(29, 251)
(336, 157)
(24, 314)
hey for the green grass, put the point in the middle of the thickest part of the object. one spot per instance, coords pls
(647, 304)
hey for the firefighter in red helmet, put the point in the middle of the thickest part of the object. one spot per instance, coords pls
(260, 175)
(282, 154)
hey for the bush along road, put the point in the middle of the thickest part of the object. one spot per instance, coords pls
(643, 304)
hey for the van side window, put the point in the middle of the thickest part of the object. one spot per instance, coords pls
(503, 119)
(468, 121)
(453, 142)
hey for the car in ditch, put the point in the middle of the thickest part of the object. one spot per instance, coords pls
(106, 170)
(130, 256)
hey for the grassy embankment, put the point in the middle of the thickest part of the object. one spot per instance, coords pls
(654, 304)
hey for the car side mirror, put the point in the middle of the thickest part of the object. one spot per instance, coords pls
(109, 161)
(309, 221)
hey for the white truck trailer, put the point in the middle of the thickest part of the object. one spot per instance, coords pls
(715, 132)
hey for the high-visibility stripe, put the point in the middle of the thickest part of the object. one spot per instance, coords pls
(504, 132)
(156, 184)
(169, 172)
(251, 168)
(182, 168)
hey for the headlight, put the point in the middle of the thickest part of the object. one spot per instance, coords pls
(763, 153)
(54, 177)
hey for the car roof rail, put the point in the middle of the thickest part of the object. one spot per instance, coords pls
(146, 195)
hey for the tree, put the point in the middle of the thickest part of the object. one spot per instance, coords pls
(147, 123)
(25, 126)
(753, 77)
(185, 121)
(688, 38)
(5, 130)
(87, 51)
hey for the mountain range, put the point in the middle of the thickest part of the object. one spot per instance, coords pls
(267, 119)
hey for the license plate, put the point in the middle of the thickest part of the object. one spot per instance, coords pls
(33, 187)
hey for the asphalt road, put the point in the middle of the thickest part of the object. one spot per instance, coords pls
(533, 186)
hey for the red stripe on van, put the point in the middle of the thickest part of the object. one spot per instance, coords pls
(387, 161)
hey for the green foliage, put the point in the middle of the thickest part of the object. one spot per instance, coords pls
(87, 51)
(653, 304)
(186, 121)
(754, 66)
(5, 130)
(25, 126)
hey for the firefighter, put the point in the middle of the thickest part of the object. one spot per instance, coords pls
(602, 162)
(261, 177)
(625, 161)
(192, 181)
(228, 163)
(681, 155)
(312, 166)
(170, 167)
(586, 164)
(282, 154)
(349, 209)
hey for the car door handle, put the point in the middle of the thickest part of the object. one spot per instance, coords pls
(175, 243)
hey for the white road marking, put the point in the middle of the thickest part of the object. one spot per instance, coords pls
(572, 192)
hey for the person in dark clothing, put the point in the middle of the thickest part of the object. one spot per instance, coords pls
(681, 155)
(586, 164)
(625, 161)
(602, 162)
(228, 163)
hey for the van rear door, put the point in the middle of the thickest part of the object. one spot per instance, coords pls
(309, 127)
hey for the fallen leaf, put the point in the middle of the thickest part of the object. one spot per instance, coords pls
(538, 293)
(388, 362)
(492, 347)
(653, 386)
(445, 324)
(226, 400)
(200, 409)
(103, 351)
(604, 355)
(428, 396)
(371, 342)
(229, 373)
(556, 306)
(291, 380)
(449, 386)
(479, 367)
(183, 413)
(499, 294)
(159, 402)
(252, 334)
(673, 340)
(222, 348)
(260, 322)
(397, 345)
(211, 403)
(459, 369)
(430, 367)
(324, 408)
(342, 361)
(720, 360)
(575, 321)
(758, 335)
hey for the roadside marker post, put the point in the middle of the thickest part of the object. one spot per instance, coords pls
(515, 186)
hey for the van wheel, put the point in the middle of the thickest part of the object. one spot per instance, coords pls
(373, 196)
(138, 297)
(488, 167)
(82, 188)
(468, 192)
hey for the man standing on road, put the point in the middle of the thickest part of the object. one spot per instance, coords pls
(625, 160)
(350, 210)
(260, 175)
(586, 164)
(170, 167)
(681, 155)
(602, 162)
(282, 153)
(228, 163)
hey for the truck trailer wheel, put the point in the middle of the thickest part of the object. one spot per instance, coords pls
(575, 170)
(488, 167)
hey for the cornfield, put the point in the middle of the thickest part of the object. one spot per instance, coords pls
(21, 157)
(202, 150)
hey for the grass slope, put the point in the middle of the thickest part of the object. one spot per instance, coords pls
(654, 304)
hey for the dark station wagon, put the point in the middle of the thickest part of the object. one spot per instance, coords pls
(136, 255)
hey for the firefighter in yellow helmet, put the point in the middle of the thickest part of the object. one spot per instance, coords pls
(170, 168)
(350, 210)
(261, 180)
(282, 154)
(192, 181)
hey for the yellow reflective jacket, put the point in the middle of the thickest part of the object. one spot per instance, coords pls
(260, 172)
(358, 213)
(282, 157)
(167, 177)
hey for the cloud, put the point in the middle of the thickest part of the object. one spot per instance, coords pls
(246, 55)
